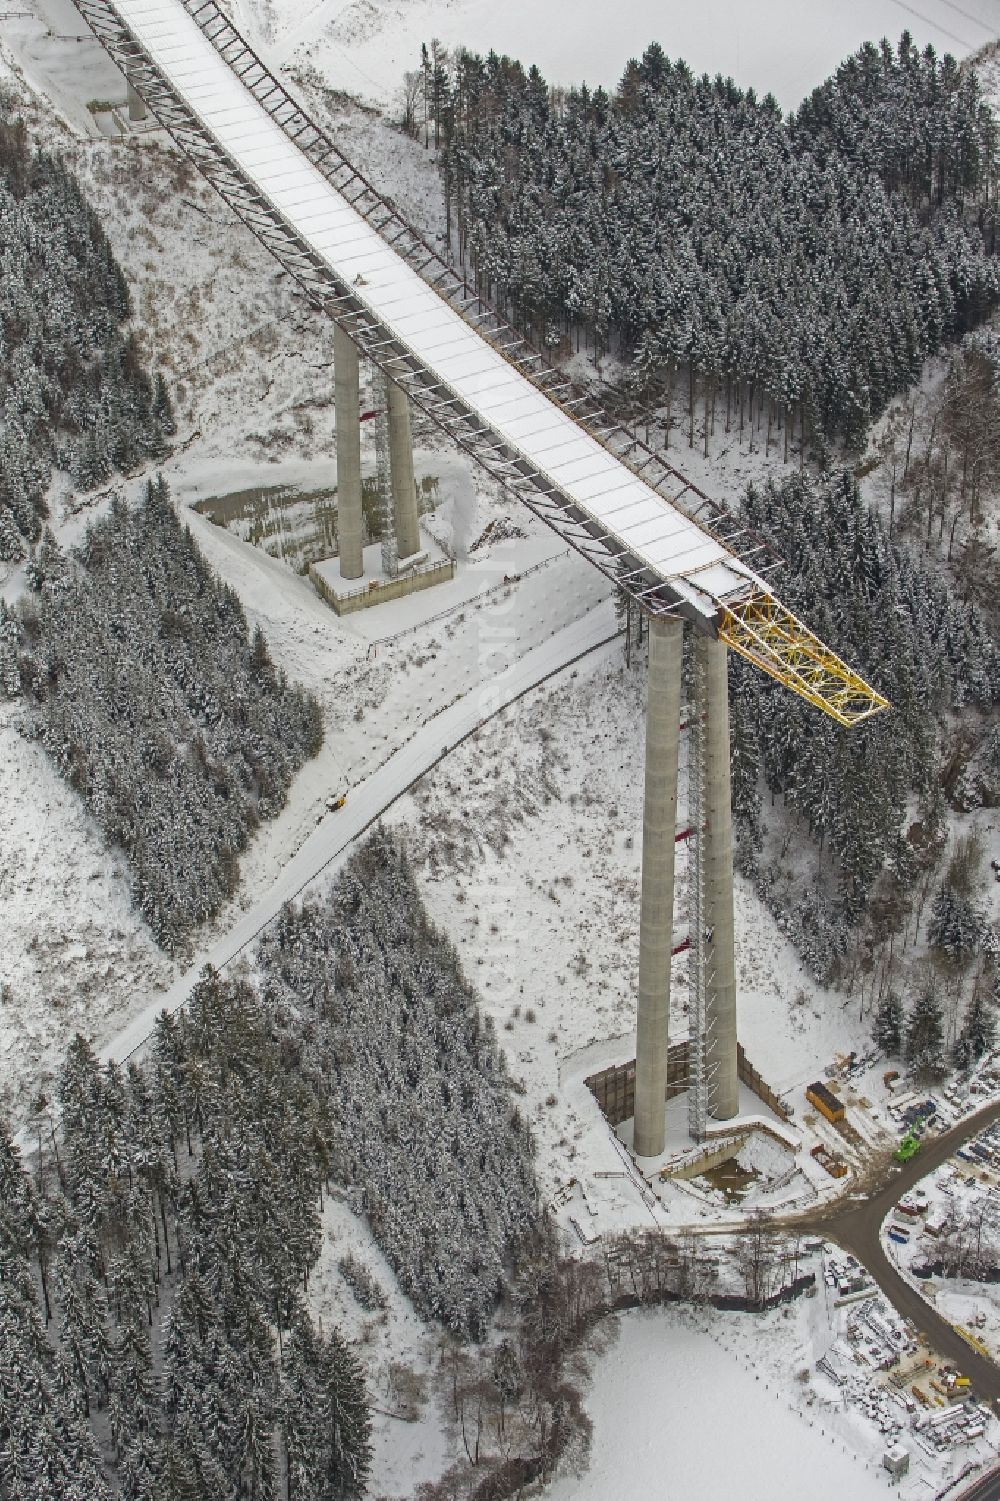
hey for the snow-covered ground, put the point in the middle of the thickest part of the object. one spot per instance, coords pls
(73, 953)
(527, 845)
(50, 40)
(677, 1380)
(668, 1391)
(364, 46)
(528, 835)
(974, 1305)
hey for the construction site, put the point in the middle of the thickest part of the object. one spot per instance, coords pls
(569, 814)
(689, 567)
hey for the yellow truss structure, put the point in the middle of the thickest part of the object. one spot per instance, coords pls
(767, 634)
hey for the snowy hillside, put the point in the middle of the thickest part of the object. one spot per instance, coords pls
(365, 46)
(73, 954)
(522, 823)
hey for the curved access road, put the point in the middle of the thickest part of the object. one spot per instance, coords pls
(330, 843)
(986, 1488)
(858, 1226)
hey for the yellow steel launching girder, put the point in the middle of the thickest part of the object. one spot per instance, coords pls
(769, 635)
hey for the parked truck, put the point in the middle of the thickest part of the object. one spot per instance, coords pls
(908, 1147)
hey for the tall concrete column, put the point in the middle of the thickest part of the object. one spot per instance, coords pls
(656, 918)
(136, 104)
(350, 524)
(404, 486)
(723, 1094)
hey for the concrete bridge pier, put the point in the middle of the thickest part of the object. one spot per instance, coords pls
(717, 855)
(716, 1078)
(137, 110)
(656, 920)
(350, 522)
(404, 485)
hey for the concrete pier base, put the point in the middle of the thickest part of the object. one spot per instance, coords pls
(404, 486)
(137, 110)
(656, 919)
(350, 522)
(723, 1093)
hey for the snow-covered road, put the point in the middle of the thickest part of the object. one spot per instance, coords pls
(333, 838)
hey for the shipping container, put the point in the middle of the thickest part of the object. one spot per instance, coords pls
(825, 1102)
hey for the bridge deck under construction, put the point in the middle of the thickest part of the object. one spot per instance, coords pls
(273, 165)
(669, 543)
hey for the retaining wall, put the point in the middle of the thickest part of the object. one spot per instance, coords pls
(363, 599)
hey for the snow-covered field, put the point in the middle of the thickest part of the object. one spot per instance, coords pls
(364, 46)
(678, 1380)
(677, 1413)
(528, 850)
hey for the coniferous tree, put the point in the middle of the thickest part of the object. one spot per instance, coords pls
(83, 1317)
(148, 691)
(862, 258)
(979, 1029)
(325, 1418)
(745, 765)
(930, 656)
(887, 1027)
(390, 1015)
(349, 1422)
(243, 1223)
(73, 390)
(47, 1448)
(925, 1034)
(957, 926)
(10, 672)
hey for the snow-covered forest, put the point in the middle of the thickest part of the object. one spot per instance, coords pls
(147, 690)
(154, 1261)
(73, 390)
(783, 278)
(420, 1117)
(931, 655)
(154, 1340)
(805, 266)
(324, 1203)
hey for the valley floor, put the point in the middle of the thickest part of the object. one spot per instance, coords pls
(676, 1412)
